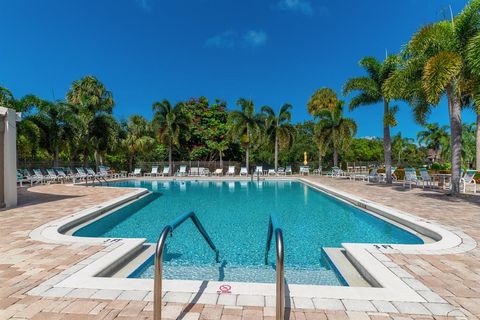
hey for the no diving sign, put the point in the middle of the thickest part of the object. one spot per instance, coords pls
(224, 288)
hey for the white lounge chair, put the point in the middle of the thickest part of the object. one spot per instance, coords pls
(426, 179)
(136, 173)
(318, 171)
(410, 177)
(218, 172)
(288, 170)
(281, 171)
(243, 171)
(469, 179)
(182, 171)
(258, 170)
(152, 173)
(166, 171)
(335, 172)
(39, 176)
(52, 175)
(231, 171)
(304, 170)
(271, 172)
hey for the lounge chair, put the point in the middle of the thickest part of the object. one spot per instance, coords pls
(39, 176)
(105, 173)
(468, 179)
(166, 171)
(62, 175)
(243, 171)
(53, 175)
(21, 178)
(304, 170)
(317, 172)
(410, 177)
(258, 170)
(136, 173)
(152, 173)
(335, 172)
(281, 171)
(182, 171)
(92, 173)
(218, 172)
(425, 178)
(288, 170)
(271, 172)
(231, 171)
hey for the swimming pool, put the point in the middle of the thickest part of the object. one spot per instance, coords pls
(235, 214)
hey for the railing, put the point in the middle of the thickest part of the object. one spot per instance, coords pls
(157, 293)
(274, 227)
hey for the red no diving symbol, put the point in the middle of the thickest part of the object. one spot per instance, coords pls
(225, 288)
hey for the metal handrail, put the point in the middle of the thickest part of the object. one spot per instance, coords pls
(274, 227)
(157, 288)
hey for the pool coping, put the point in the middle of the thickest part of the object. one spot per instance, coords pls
(396, 285)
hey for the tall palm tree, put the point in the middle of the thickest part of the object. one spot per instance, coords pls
(93, 105)
(335, 129)
(138, 138)
(278, 127)
(321, 144)
(245, 126)
(432, 137)
(170, 124)
(436, 64)
(370, 91)
(400, 145)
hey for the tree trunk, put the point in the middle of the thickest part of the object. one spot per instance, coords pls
(130, 162)
(220, 155)
(276, 153)
(85, 158)
(55, 157)
(387, 144)
(335, 157)
(170, 167)
(319, 159)
(247, 155)
(455, 112)
(97, 158)
(477, 158)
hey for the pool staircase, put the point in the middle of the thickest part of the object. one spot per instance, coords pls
(273, 229)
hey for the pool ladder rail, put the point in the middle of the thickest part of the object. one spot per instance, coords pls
(157, 288)
(273, 228)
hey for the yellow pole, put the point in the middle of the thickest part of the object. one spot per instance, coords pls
(305, 162)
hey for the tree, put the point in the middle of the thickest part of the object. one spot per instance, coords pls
(335, 130)
(370, 91)
(170, 123)
(93, 105)
(55, 122)
(278, 127)
(435, 65)
(245, 125)
(138, 138)
(432, 137)
(400, 147)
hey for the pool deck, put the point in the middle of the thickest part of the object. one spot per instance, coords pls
(25, 263)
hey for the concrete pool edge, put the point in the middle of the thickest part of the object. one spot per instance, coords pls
(396, 286)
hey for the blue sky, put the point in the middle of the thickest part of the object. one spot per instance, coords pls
(273, 51)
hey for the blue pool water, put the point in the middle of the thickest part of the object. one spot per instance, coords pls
(235, 214)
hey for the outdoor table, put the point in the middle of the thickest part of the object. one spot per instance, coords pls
(442, 177)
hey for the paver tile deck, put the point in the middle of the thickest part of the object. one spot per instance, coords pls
(25, 263)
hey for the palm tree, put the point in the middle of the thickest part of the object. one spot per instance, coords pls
(93, 105)
(278, 127)
(473, 60)
(245, 125)
(436, 64)
(324, 98)
(55, 121)
(370, 91)
(321, 144)
(170, 123)
(335, 130)
(400, 145)
(138, 138)
(432, 137)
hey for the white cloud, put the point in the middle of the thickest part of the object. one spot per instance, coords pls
(255, 38)
(302, 6)
(226, 39)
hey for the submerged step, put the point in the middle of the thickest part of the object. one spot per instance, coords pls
(339, 261)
